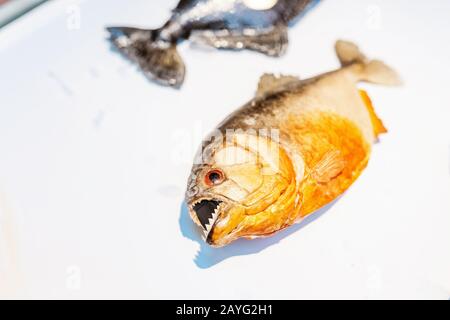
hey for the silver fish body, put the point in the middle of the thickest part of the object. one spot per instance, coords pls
(258, 25)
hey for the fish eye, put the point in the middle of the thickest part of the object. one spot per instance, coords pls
(214, 177)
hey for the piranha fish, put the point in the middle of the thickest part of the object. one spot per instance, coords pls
(247, 183)
(259, 25)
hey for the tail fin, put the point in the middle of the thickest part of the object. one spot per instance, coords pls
(158, 60)
(374, 71)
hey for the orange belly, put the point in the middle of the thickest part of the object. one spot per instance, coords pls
(316, 133)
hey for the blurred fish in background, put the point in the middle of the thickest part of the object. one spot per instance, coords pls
(13, 9)
(258, 25)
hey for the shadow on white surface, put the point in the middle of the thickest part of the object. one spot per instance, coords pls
(208, 256)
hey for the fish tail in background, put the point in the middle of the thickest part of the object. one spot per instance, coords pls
(158, 59)
(273, 42)
(374, 71)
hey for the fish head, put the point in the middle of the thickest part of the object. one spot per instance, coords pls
(243, 187)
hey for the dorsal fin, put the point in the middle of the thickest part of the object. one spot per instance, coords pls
(270, 83)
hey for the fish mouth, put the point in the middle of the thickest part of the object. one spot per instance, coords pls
(207, 211)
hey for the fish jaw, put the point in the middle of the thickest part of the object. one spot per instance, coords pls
(216, 218)
(223, 220)
(228, 227)
(205, 212)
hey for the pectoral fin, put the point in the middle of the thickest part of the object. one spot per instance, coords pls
(329, 167)
(273, 42)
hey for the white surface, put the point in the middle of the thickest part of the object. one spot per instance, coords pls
(94, 161)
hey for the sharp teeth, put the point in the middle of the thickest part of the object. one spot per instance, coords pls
(208, 227)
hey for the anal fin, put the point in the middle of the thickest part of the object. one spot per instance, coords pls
(272, 42)
(378, 126)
